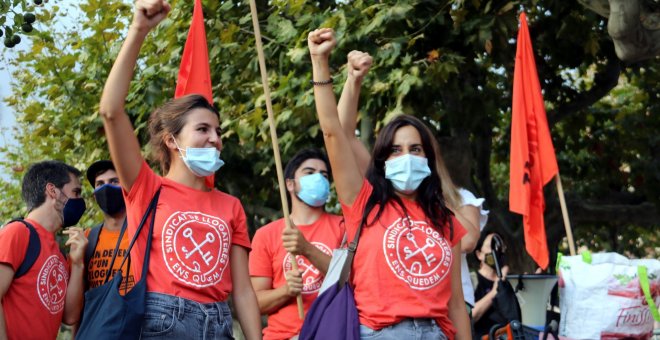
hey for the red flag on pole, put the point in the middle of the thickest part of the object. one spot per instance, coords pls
(194, 71)
(533, 163)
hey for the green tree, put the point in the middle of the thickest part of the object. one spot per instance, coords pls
(447, 62)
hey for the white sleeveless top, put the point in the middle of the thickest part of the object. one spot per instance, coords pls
(470, 199)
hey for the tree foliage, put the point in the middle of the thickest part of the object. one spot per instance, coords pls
(447, 62)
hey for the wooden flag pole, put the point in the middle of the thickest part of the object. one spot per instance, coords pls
(564, 213)
(273, 135)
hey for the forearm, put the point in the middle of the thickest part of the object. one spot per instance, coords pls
(319, 259)
(459, 317)
(481, 306)
(247, 311)
(3, 325)
(270, 300)
(74, 295)
(348, 110)
(118, 83)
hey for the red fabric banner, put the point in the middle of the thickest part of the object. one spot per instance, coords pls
(533, 162)
(194, 71)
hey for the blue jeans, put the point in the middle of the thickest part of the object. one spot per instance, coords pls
(413, 329)
(172, 317)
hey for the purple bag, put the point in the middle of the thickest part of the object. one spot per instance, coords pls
(333, 315)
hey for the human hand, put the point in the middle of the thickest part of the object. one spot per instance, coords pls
(294, 282)
(148, 13)
(358, 64)
(294, 242)
(321, 42)
(77, 243)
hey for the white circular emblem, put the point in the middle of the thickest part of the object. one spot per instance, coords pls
(416, 253)
(196, 247)
(312, 277)
(51, 284)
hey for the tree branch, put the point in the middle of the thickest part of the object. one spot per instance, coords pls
(604, 81)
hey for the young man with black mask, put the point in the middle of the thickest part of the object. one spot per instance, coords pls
(103, 238)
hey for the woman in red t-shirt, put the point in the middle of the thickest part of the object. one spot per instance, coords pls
(406, 271)
(199, 253)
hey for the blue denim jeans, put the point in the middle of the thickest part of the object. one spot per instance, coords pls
(413, 329)
(172, 317)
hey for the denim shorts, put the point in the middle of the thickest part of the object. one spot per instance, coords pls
(413, 329)
(172, 317)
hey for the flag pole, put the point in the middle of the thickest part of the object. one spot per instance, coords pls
(273, 135)
(564, 213)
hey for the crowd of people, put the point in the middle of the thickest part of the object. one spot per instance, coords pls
(410, 275)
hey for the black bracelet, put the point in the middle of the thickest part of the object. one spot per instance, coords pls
(321, 83)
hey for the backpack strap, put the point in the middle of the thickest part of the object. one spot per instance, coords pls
(31, 253)
(92, 242)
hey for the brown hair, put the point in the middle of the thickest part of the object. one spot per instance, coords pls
(170, 119)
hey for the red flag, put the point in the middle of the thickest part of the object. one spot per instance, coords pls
(533, 162)
(194, 72)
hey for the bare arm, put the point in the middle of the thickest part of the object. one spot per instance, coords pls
(243, 295)
(348, 178)
(457, 310)
(481, 306)
(73, 304)
(271, 299)
(357, 67)
(6, 277)
(295, 243)
(123, 144)
(468, 215)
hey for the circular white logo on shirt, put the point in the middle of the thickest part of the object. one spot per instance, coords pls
(312, 277)
(416, 253)
(196, 247)
(51, 284)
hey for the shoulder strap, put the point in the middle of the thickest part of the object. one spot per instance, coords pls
(352, 247)
(92, 242)
(31, 253)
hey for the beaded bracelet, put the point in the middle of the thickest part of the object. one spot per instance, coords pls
(321, 83)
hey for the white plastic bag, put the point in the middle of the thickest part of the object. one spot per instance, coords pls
(602, 296)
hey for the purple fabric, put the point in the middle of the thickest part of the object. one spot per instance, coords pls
(333, 315)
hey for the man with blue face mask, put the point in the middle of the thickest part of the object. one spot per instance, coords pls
(314, 235)
(104, 237)
(39, 288)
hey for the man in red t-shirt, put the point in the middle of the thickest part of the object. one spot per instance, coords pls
(311, 240)
(35, 301)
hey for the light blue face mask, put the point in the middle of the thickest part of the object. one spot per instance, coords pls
(407, 172)
(314, 189)
(201, 161)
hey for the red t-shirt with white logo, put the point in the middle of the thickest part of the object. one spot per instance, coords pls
(34, 304)
(193, 234)
(269, 259)
(402, 266)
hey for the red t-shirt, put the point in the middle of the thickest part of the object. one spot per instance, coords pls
(34, 304)
(193, 234)
(402, 266)
(269, 259)
(98, 265)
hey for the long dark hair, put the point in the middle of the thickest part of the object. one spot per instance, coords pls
(429, 192)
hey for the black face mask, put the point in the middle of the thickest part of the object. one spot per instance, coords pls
(110, 199)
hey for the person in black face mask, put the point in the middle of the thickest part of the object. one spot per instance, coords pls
(39, 288)
(104, 237)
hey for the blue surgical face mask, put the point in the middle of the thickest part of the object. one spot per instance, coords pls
(110, 199)
(201, 161)
(73, 210)
(407, 172)
(314, 189)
